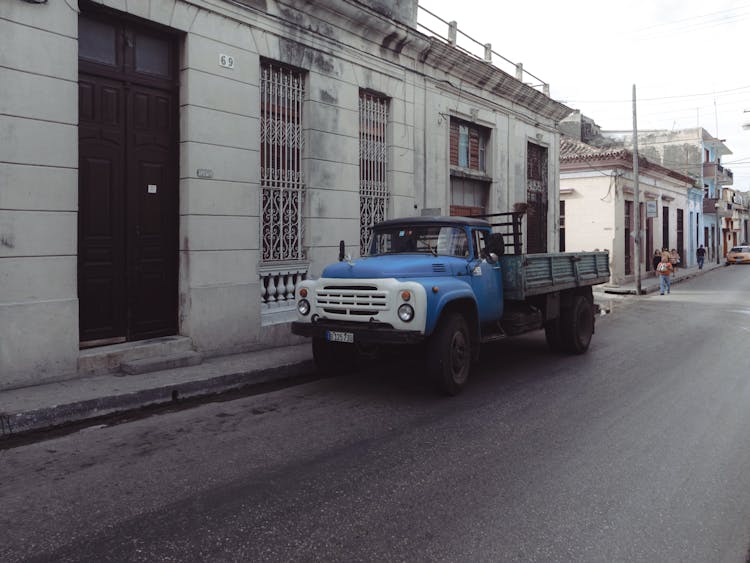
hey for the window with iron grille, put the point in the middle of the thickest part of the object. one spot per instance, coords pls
(373, 164)
(537, 197)
(281, 144)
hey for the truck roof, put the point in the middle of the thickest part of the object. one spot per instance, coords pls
(434, 220)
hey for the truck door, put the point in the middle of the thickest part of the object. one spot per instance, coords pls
(486, 279)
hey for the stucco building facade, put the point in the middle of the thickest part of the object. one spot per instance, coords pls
(695, 153)
(598, 210)
(170, 169)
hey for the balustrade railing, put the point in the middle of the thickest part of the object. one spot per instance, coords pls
(278, 284)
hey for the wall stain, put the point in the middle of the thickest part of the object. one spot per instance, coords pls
(323, 63)
(327, 97)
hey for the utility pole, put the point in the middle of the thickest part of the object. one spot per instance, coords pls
(636, 203)
(719, 219)
(717, 193)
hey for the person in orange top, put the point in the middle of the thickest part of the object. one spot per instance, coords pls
(664, 270)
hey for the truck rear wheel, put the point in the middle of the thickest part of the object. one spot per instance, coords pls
(577, 324)
(449, 354)
(333, 358)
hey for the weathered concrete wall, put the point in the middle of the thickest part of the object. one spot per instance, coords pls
(38, 192)
(589, 211)
(403, 11)
(219, 223)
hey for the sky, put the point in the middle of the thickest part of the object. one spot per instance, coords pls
(689, 60)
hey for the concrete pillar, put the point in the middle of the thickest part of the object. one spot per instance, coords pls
(452, 32)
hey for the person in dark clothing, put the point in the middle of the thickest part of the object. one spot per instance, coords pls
(700, 254)
(655, 259)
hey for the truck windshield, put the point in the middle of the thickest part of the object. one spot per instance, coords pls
(428, 239)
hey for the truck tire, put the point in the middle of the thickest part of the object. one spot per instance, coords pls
(449, 354)
(553, 334)
(333, 358)
(577, 325)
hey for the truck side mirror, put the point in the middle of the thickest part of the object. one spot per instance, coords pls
(342, 251)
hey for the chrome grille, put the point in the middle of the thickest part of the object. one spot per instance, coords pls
(355, 301)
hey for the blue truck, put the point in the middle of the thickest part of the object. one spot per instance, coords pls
(447, 285)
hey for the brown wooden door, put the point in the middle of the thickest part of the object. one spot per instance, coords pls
(128, 181)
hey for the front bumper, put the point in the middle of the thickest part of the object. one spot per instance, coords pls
(363, 333)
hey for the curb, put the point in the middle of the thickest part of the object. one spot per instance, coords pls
(645, 290)
(57, 415)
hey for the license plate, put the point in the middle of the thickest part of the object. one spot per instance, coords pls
(335, 336)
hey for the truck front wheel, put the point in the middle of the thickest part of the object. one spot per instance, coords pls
(577, 325)
(449, 354)
(333, 358)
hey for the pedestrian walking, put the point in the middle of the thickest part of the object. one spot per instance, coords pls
(700, 254)
(655, 259)
(674, 258)
(664, 269)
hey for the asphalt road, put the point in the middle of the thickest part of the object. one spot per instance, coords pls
(636, 451)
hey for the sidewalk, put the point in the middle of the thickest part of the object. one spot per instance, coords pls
(650, 283)
(53, 404)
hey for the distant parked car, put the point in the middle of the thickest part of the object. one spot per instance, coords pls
(739, 255)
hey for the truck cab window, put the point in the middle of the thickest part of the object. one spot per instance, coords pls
(480, 244)
(431, 239)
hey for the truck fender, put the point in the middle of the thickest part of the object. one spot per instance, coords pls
(449, 292)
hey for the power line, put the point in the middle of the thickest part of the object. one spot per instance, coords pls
(568, 102)
(693, 17)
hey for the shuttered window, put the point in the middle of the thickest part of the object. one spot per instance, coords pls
(468, 145)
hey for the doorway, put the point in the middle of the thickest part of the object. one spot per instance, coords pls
(537, 198)
(128, 217)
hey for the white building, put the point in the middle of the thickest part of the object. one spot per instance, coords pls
(695, 153)
(170, 169)
(597, 206)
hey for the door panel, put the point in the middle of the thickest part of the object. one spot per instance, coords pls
(101, 259)
(152, 196)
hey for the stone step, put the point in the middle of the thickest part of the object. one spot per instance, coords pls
(159, 363)
(106, 359)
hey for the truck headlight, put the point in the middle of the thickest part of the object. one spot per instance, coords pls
(406, 312)
(303, 306)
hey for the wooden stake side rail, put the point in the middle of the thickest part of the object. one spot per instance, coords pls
(526, 275)
(511, 227)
